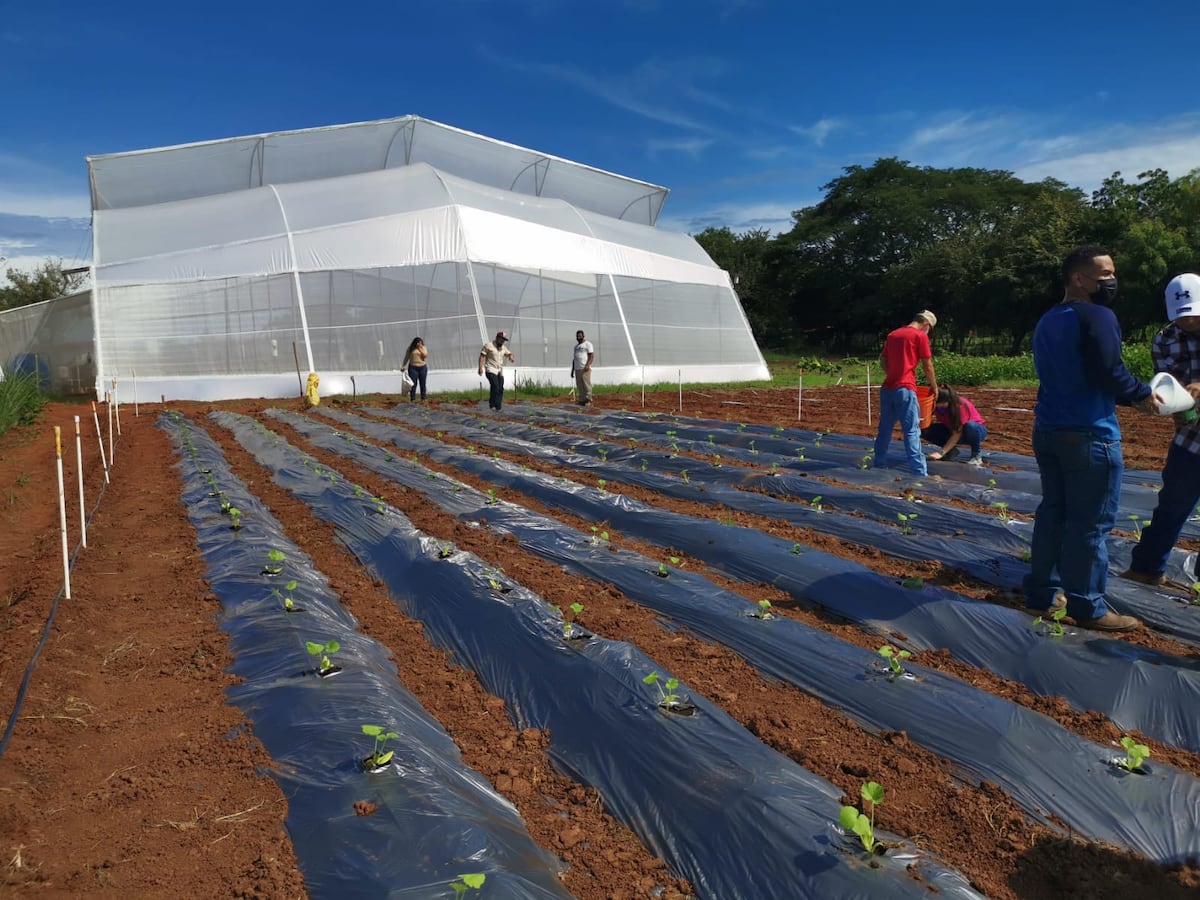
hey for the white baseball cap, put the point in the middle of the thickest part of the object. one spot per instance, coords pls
(1183, 296)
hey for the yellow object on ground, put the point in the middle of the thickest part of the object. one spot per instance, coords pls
(311, 397)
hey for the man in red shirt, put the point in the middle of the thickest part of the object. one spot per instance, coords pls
(903, 349)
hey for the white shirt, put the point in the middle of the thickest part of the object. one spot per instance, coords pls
(493, 357)
(582, 350)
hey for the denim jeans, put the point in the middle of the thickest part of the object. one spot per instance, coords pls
(495, 389)
(1176, 501)
(973, 434)
(900, 405)
(1081, 489)
(418, 374)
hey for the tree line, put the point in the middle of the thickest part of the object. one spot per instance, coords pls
(980, 247)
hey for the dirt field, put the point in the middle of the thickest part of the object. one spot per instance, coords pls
(128, 774)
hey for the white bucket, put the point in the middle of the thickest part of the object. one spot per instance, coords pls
(1174, 395)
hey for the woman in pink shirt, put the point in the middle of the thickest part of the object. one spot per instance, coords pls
(956, 420)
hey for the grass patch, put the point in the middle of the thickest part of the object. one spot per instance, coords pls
(20, 400)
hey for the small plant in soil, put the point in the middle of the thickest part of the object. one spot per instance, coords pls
(601, 484)
(815, 503)
(991, 484)
(1138, 524)
(752, 450)
(1002, 511)
(235, 518)
(717, 460)
(226, 505)
(378, 503)
(274, 558)
(857, 823)
(764, 610)
(465, 883)
(576, 609)
(663, 571)
(289, 602)
(894, 658)
(378, 758)
(797, 549)
(1135, 754)
(445, 551)
(1052, 624)
(666, 689)
(684, 476)
(324, 651)
(817, 442)
(913, 583)
(491, 497)
(774, 468)
(602, 453)
(1194, 600)
(905, 522)
(866, 462)
(645, 465)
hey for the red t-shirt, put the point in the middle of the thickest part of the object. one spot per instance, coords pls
(902, 350)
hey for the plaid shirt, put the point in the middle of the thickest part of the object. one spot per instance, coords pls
(1177, 352)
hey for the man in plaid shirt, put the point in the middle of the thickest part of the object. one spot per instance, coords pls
(1176, 349)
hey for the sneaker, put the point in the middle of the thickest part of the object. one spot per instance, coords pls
(1060, 602)
(1111, 621)
(976, 460)
(1144, 577)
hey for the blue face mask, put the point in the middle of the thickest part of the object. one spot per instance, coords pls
(1105, 293)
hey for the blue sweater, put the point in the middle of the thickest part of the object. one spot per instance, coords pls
(1077, 354)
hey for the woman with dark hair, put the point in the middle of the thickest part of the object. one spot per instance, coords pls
(956, 421)
(415, 360)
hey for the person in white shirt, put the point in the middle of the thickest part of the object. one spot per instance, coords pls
(491, 363)
(581, 368)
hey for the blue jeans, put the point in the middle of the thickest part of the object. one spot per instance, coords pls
(1176, 501)
(973, 434)
(900, 405)
(1081, 489)
(495, 389)
(418, 374)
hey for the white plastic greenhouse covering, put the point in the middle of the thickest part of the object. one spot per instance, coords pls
(211, 261)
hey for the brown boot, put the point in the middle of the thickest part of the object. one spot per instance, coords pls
(1111, 621)
(1144, 578)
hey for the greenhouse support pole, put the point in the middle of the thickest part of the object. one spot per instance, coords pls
(296, 282)
(135, 403)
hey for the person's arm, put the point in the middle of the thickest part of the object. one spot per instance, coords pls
(930, 376)
(591, 356)
(482, 357)
(1100, 346)
(509, 354)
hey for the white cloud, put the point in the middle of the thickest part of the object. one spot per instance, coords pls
(774, 217)
(1086, 170)
(690, 146)
(48, 204)
(819, 130)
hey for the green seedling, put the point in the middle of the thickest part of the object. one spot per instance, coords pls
(1194, 600)
(905, 522)
(1138, 524)
(797, 549)
(1135, 754)
(601, 483)
(711, 442)
(717, 460)
(800, 453)
(752, 450)
(576, 609)
(764, 610)
(289, 604)
(235, 518)
(466, 883)
(445, 551)
(817, 442)
(683, 474)
(602, 453)
(866, 462)
(741, 426)
(378, 757)
(815, 503)
(323, 651)
(674, 560)
(775, 467)
(663, 571)
(1053, 622)
(495, 585)
(378, 503)
(358, 491)
(226, 506)
(495, 454)
(667, 697)
(857, 823)
(1002, 511)
(1027, 556)
(915, 583)
(470, 448)
(273, 567)
(893, 657)
(645, 465)
(991, 484)
(674, 449)
(491, 497)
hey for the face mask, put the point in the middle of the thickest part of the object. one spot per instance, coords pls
(1105, 293)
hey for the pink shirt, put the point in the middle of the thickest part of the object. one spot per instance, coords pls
(969, 413)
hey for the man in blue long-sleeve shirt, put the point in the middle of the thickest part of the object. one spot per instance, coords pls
(1077, 442)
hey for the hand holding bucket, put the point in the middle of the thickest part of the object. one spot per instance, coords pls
(925, 398)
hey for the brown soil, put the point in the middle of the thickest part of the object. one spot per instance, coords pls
(128, 774)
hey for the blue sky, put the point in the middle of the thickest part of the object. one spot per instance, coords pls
(743, 108)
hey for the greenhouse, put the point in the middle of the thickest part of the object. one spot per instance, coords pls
(225, 269)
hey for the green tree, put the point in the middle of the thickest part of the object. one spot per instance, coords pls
(47, 282)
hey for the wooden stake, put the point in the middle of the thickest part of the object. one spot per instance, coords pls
(79, 466)
(62, 513)
(100, 439)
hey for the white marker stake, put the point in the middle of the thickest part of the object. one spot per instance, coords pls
(135, 403)
(681, 391)
(116, 409)
(112, 445)
(79, 466)
(868, 395)
(100, 439)
(62, 513)
(643, 387)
